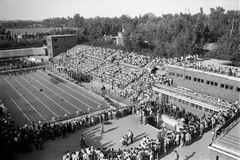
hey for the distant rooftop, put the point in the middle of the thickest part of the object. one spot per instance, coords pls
(210, 46)
(65, 35)
(229, 142)
(29, 30)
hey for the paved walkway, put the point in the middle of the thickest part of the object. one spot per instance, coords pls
(54, 150)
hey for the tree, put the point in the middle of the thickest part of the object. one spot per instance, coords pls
(79, 21)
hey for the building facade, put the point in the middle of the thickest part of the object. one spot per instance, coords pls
(213, 84)
(198, 91)
(57, 44)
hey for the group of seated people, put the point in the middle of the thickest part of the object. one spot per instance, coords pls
(135, 59)
(122, 78)
(99, 52)
(229, 71)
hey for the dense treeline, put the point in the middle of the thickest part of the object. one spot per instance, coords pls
(20, 24)
(11, 41)
(167, 35)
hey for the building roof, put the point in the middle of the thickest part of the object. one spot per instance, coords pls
(229, 142)
(210, 46)
(22, 52)
(65, 35)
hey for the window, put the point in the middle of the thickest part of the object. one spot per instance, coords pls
(222, 85)
(178, 75)
(194, 79)
(217, 157)
(206, 109)
(202, 81)
(189, 78)
(196, 106)
(238, 89)
(187, 103)
(200, 107)
(186, 77)
(212, 83)
(64, 39)
(171, 73)
(56, 47)
(231, 87)
(55, 40)
(216, 84)
(208, 82)
(211, 111)
(181, 75)
(199, 80)
(183, 102)
(226, 86)
(192, 105)
(179, 100)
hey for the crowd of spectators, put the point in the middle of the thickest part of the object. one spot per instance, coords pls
(17, 64)
(127, 82)
(192, 61)
(15, 138)
(193, 128)
(106, 64)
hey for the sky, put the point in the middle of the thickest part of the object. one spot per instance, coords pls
(42, 9)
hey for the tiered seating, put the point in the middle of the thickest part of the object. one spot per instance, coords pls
(98, 52)
(127, 82)
(135, 59)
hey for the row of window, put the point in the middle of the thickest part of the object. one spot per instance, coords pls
(56, 40)
(191, 104)
(67, 46)
(212, 83)
(198, 80)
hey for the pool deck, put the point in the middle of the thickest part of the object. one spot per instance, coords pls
(54, 149)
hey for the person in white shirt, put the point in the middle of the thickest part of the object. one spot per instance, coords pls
(123, 140)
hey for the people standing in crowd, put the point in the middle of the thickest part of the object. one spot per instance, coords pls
(176, 156)
(130, 135)
(64, 132)
(40, 141)
(102, 128)
(123, 141)
(83, 142)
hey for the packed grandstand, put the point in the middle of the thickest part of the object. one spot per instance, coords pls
(130, 77)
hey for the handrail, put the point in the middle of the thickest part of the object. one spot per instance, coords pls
(227, 124)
